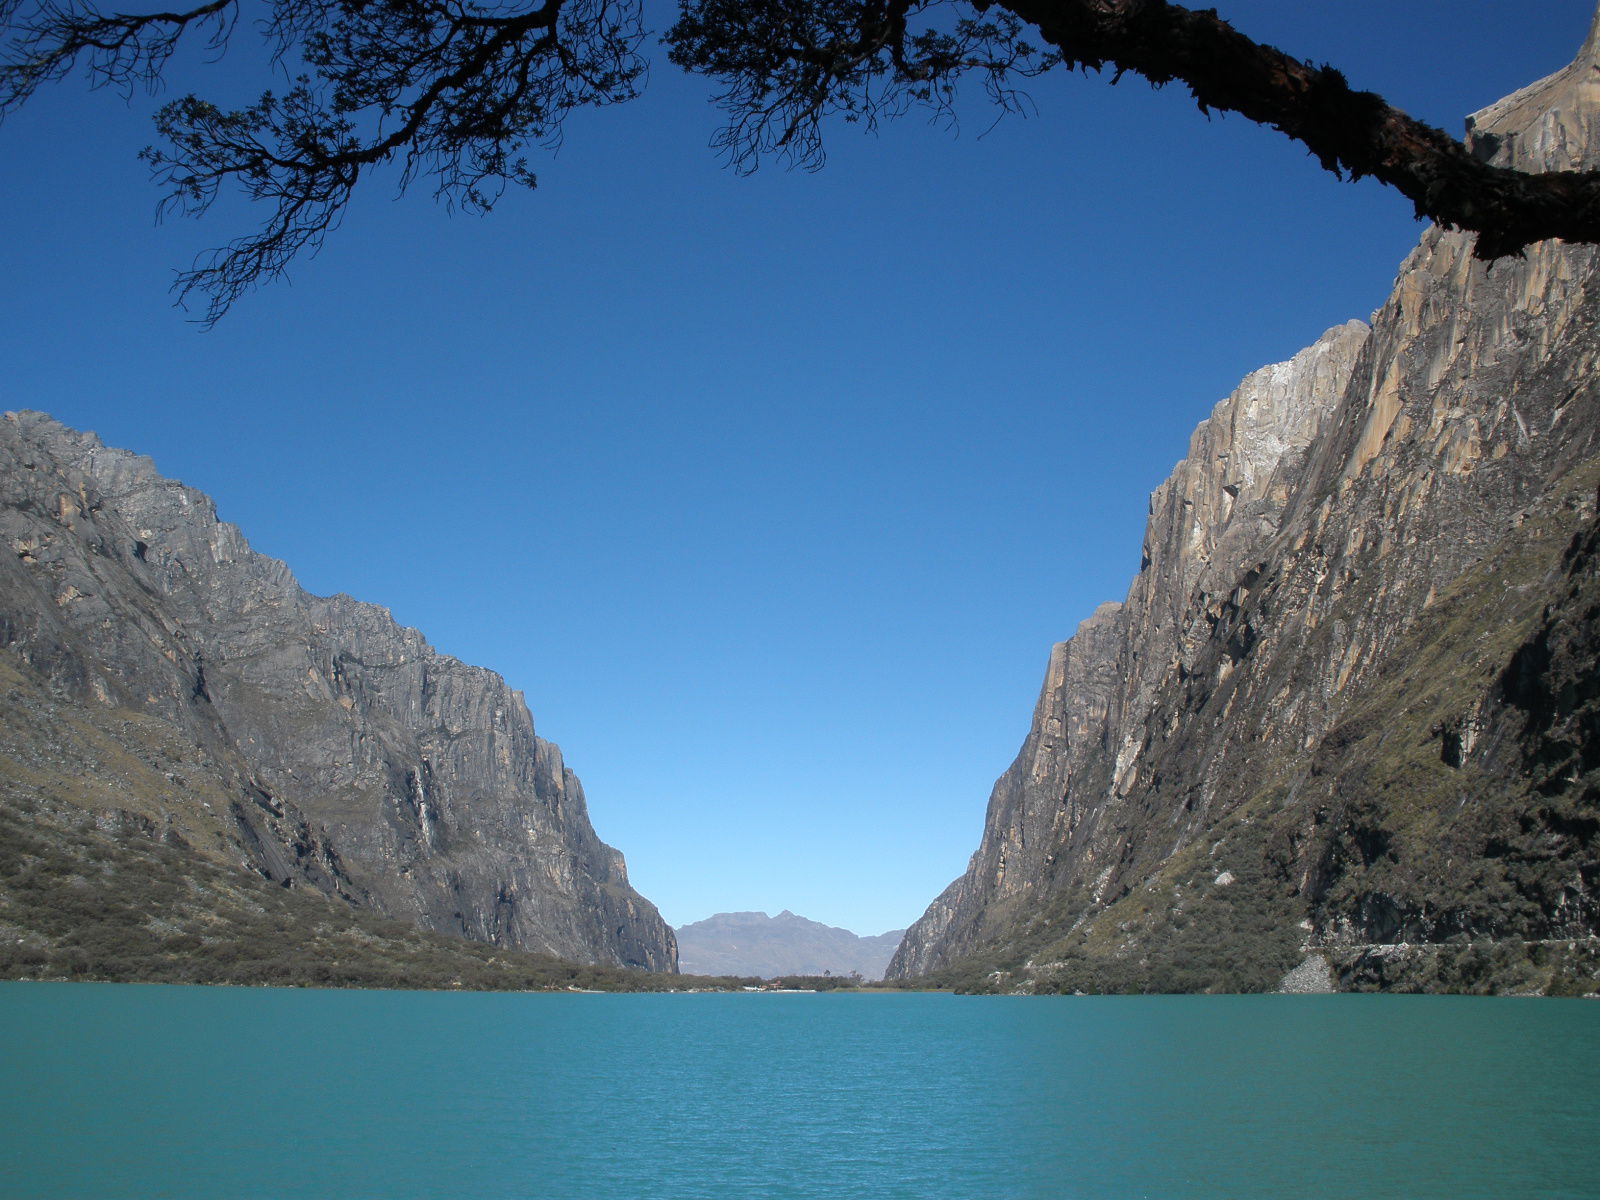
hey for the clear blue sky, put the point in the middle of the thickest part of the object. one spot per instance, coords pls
(770, 493)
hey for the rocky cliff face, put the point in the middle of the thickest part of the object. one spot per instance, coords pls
(1266, 750)
(165, 676)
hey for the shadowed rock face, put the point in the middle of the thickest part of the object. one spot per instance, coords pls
(163, 670)
(1268, 715)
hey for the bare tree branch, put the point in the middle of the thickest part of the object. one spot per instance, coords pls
(45, 42)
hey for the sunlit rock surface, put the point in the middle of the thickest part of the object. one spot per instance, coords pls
(1356, 674)
(161, 671)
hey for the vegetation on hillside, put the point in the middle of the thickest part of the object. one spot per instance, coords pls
(79, 901)
(1443, 837)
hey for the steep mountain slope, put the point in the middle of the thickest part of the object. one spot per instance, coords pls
(754, 944)
(161, 675)
(1348, 705)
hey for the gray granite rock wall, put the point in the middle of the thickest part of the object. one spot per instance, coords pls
(1323, 508)
(355, 758)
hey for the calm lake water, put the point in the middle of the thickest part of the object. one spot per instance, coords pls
(121, 1091)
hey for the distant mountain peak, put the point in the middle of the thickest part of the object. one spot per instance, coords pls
(754, 944)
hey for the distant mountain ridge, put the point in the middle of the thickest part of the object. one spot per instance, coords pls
(754, 944)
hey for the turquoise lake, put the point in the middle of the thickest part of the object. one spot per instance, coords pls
(128, 1091)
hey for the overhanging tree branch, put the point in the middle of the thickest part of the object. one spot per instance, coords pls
(457, 89)
(1352, 133)
(785, 65)
(454, 89)
(45, 42)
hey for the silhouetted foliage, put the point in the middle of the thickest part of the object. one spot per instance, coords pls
(456, 90)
